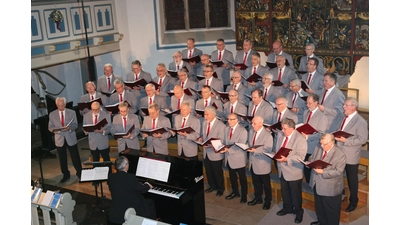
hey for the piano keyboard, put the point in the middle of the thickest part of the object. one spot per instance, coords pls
(166, 192)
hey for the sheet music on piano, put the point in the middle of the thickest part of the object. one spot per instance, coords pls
(153, 169)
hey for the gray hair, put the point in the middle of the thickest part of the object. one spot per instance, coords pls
(63, 99)
(120, 163)
(211, 109)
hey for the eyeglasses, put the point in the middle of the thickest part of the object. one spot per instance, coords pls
(325, 144)
(232, 95)
(232, 119)
(345, 105)
(207, 71)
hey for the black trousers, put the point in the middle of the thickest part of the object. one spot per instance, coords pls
(75, 158)
(306, 170)
(352, 180)
(105, 154)
(327, 208)
(233, 177)
(215, 175)
(260, 183)
(291, 195)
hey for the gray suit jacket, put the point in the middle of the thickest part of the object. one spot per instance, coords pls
(172, 66)
(189, 84)
(333, 104)
(260, 163)
(330, 182)
(292, 169)
(264, 109)
(299, 103)
(215, 84)
(227, 57)
(216, 131)
(159, 145)
(102, 85)
(287, 76)
(55, 123)
(86, 98)
(97, 140)
(272, 58)
(118, 127)
(352, 147)
(319, 121)
(160, 101)
(272, 94)
(167, 85)
(240, 108)
(186, 144)
(235, 156)
(186, 98)
(242, 91)
(316, 82)
(261, 70)
(131, 77)
(195, 52)
(288, 114)
(240, 56)
(130, 97)
(304, 61)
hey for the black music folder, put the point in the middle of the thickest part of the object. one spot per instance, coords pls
(253, 78)
(306, 128)
(277, 125)
(156, 85)
(173, 73)
(195, 59)
(217, 63)
(341, 133)
(62, 128)
(117, 136)
(272, 65)
(304, 86)
(242, 66)
(222, 95)
(88, 105)
(139, 83)
(317, 164)
(246, 147)
(108, 94)
(145, 111)
(93, 127)
(277, 83)
(184, 129)
(282, 152)
(150, 132)
(206, 142)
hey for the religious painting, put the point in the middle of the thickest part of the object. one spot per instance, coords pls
(244, 28)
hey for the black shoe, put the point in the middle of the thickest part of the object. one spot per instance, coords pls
(220, 193)
(255, 202)
(314, 223)
(65, 179)
(232, 196)
(267, 205)
(208, 190)
(299, 218)
(351, 208)
(243, 199)
(283, 212)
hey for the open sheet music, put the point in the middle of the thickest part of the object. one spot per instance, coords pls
(97, 173)
(153, 169)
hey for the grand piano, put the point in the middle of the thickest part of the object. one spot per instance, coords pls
(180, 199)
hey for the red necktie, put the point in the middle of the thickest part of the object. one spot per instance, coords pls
(160, 83)
(323, 97)
(284, 143)
(309, 116)
(279, 117)
(231, 109)
(179, 103)
(137, 77)
(220, 55)
(208, 129)
(125, 123)
(309, 79)
(183, 123)
(344, 121)
(151, 101)
(255, 70)
(308, 59)
(120, 97)
(190, 54)
(254, 110)
(108, 84)
(177, 67)
(254, 138)
(280, 74)
(206, 104)
(230, 134)
(245, 56)
(294, 99)
(153, 125)
(183, 84)
(95, 119)
(324, 155)
(265, 93)
(92, 98)
(234, 86)
(207, 83)
(62, 119)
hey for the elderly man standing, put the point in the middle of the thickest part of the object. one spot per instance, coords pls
(226, 56)
(277, 50)
(105, 82)
(178, 64)
(309, 49)
(353, 123)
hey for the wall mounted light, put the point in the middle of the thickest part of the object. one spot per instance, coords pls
(49, 49)
(97, 40)
(75, 44)
(118, 37)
